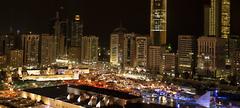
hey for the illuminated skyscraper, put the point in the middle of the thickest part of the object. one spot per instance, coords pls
(30, 44)
(186, 55)
(47, 49)
(141, 51)
(76, 31)
(155, 59)
(225, 19)
(217, 18)
(210, 55)
(158, 22)
(16, 58)
(212, 21)
(89, 49)
(117, 46)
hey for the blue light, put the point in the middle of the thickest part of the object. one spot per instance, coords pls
(178, 105)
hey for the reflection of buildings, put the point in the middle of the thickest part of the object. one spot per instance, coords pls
(186, 48)
(141, 52)
(210, 55)
(158, 22)
(30, 45)
(16, 58)
(47, 49)
(89, 49)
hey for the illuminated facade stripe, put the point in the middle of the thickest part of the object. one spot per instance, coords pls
(158, 22)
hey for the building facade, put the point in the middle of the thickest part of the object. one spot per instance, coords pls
(117, 46)
(158, 22)
(89, 49)
(76, 31)
(211, 56)
(141, 51)
(30, 44)
(155, 59)
(47, 49)
(129, 49)
(16, 58)
(186, 55)
(169, 64)
(217, 18)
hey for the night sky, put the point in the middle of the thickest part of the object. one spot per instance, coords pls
(100, 17)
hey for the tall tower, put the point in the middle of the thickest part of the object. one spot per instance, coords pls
(186, 55)
(76, 31)
(217, 18)
(212, 20)
(158, 22)
(30, 45)
(225, 19)
(89, 49)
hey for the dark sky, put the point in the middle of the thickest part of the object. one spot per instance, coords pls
(102, 16)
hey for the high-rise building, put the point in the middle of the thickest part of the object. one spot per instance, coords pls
(16, 58)
(129, 49)
(47, 49)
(89, 49)
(155, 59)
(236, 64)
(30, 44)
(74, 54)
(169, 64)
(225, 18)
(117, 46)
(76, 31)
(212, 21)
(211, 56)
(61, 35)
(158, 22)
(141, 51)
(186, 55)
(234, 48)
(217, 18)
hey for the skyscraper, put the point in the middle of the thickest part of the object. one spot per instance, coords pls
(16, 58)
(210, 55)
(117, 46)
(225, 19)
(76, 31)
(186, 55)
(89, 49)
(169, 64)
(30, 44)
(154, 59)
(158, 22)
(129, 49)
(217, 18)
(141, 51)
(212, 21)
(47, 49)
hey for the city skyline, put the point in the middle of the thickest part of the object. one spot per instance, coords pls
(30, 16)
(162, 53)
